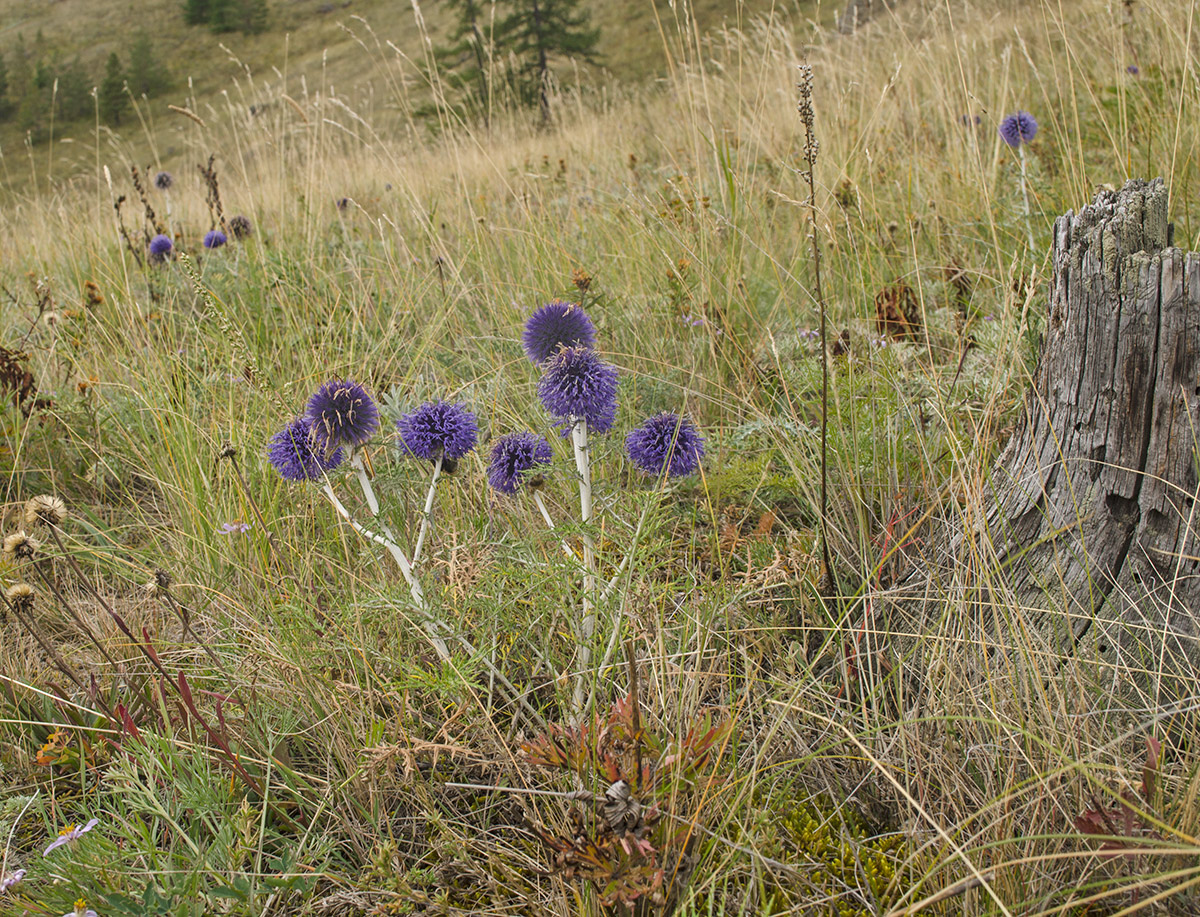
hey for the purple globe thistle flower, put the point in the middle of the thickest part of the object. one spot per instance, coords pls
(513, 458)
(1018, 128)
(578, 384)
(1132, 70)
(439, 429)
(214, 238)
(69, 835)
(554, 325)
(296, 455)
(160, 247)
(241, 227)
(343, 204)
(342, 414)
(666, 442)
(163, 181)
(970, 120)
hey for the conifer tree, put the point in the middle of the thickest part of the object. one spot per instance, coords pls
(5, 104)
(536, 32)
(147, 76)
(196, 12)
(470, 51)
(74, 92)
(112, 91)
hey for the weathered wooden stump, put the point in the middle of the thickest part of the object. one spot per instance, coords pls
(1091, 509)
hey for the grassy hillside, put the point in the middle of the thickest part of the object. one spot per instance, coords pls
(363, 49)
(264, 715)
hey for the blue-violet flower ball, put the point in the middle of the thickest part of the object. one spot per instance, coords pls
(555, 325)
(296, 454)
(342, 414)
(160, 246)
(666, 442)
(163, 181)
(1018, 128)
(515, 461)
(214, 238)
(578, 384)
(1132, 70)
(439, 429)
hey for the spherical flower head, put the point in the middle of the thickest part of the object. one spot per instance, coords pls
(577, 384)
(45, 508)
(69, 835)
(1132, 70)
(439, 429)
(160, 247)
(20, 546)
(516, 460)
(214, 238)
(556, 325)
(21, 595)
(297, 456)
(666, 442)
(241, 227)
(163, 181)
(1018, 128)
(342, 414)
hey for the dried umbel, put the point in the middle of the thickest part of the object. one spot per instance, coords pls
(21, 596)
(21, 546)
(47, 509)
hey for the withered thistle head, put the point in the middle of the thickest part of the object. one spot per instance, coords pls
(162, 580)
(45, 508)
(21, 595)
(241, 227)
(21, 546)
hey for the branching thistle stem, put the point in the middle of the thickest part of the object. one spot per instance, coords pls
(427, 517)
(811, 149)
(579, 439)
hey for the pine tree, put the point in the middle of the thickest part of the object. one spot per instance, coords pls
(112, 91)
(196, 12)
(74, 92)
(5, 104)
(467, 58)
(255, 16)
(536, 32)
(147, 76)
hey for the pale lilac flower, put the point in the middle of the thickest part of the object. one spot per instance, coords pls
(81, 910)
(69, 835)
(12, 879)
(234, 528)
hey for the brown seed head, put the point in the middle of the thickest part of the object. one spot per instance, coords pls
(45, 508)
(21, 595)
(20, 546)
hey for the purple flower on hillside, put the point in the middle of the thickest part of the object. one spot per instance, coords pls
(513, 459)
(297, 456)
(11, 880)
(342, 414)
(214, 238)
(234, 528)
(343, 204)
(666, 442)
(160, 247)
(69, 835)
(555, 325)
(970, 120)
(439, 429)
(1132, 70)
(241, 227)
(578, 384)
(1018, 128)
(163, 181)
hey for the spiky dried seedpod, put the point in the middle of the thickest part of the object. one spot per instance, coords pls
(21, 546)
(45, 508)
(21, 596)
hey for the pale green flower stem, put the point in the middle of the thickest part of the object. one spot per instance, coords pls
(427, 518)
(579, 439)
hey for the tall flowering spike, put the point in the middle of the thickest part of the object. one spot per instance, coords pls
(163, 181)
(214, 238)
(442, 429)
(342, 414)
(555, 325)
(577, 383)
(516, 460)
(296, 454)
(160, 247)
(1018, 128)
(666, 442)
